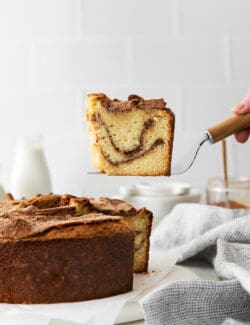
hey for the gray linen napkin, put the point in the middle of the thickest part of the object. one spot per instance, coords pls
(219, 235)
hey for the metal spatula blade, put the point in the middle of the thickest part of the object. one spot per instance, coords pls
(213, 134)
(188, 158)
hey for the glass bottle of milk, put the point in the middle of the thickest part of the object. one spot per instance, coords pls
(30, 175)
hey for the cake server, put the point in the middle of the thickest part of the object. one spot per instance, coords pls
(212, 135)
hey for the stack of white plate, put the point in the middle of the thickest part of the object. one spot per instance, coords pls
(160, 198)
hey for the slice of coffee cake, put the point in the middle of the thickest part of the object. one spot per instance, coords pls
(133, 137)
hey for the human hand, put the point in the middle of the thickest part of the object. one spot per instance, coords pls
(242, 108)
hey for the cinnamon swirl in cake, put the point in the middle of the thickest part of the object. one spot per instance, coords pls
(133, 137)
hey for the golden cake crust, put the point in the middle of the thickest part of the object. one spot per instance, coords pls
(30, 223)
(118, 106)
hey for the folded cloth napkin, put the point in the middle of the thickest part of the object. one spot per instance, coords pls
(219, 235)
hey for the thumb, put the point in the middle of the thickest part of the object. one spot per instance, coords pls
(244, 106)
(239, 108)
(246, 99)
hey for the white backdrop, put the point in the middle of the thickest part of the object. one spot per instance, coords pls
(194, 53)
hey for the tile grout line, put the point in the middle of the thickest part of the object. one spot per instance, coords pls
(175, 21)
(129, 45)
(31, 67)
(79, 19)
(228, 59)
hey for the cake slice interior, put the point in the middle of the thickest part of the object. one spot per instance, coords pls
(133, 137)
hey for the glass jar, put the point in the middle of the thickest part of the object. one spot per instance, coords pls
(234, 195)
(30, 174)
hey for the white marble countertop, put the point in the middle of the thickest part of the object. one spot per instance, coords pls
(202, 269)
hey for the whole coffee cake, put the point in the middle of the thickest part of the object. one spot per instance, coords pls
(139, 220)
(52, 256)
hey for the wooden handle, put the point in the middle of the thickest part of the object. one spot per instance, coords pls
(224, 160)
(228, 127)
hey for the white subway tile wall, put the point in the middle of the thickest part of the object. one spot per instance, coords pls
(113, 17)
(177, 59)
(30, 19)
(14, 64)
(194, 53)
(214, 17)
(240, 50)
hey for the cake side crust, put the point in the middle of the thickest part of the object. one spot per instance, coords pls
(25, 221)
(73, 262)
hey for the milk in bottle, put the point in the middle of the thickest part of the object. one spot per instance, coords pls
(30, 175)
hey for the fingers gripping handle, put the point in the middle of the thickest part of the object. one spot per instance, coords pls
(228, 127)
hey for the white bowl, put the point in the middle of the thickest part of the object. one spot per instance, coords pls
(158, 197)
(162, 189)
